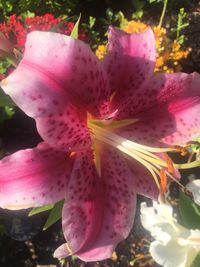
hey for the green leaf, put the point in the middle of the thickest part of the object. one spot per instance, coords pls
(54, 215)
(91, 22)
(137, 14)
(74, 32)
(5, 100)
(189, 211)
(122, 20)
(35, 211)
(196, 262)
(138, 4)
(157, 1)
(10, 111)
(27, 14)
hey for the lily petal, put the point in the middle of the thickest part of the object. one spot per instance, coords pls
(130, 60)
(66, 131)
(83, 208)
(194, 187)
(55, 69)
(119, 209)
(144, 182)
(161, 89)
(33, 177)
(173, 116)
(112, 216)
(170, 255)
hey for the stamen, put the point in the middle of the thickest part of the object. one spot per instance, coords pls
(158, 167)
(182, 150)
(170, 164)
(163, 184)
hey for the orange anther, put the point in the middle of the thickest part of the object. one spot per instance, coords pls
(72, 154)
(182, 150)
(163, 182)
(170, 165)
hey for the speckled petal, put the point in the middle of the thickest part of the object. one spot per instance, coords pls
(119, 207)
(130, 60)
(160, 89)
(66, 131)
(144, 182)
(111, 212)
(33, 177)
(173, 116)
(160, 127)
(57, 69)
(83, 208)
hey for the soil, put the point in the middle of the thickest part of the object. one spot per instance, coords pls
(38, 251)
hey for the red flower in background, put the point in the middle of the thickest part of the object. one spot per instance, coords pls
(16, 29)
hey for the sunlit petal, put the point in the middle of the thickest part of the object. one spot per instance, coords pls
(33, 177)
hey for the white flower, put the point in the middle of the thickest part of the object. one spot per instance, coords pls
(174, 245)
(194, 187)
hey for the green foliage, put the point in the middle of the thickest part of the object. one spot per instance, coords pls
(4, 65)
(189, 212)
(6, 7)
(62, 262)
(57, 7)
(122, 20)
(110, 17)
(195, 147)
(9, 111)
(54, 215)
(94, 35)
(27, 14)
(182, 23)
(6, 107)
(155, 1)
(196, 262)
(6, 113)
(74, 32)
(139, 9)
(5, 100)
(37, 210)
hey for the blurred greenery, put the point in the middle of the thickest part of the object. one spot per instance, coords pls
(96, 8)
(8, 7)
(189, 211)
(196, 262)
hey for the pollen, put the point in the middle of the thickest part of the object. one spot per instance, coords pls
(163, 181)
(170, 164)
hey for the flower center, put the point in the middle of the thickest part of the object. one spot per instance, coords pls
(155, 159)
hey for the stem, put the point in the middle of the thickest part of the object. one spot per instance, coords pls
(163, 13)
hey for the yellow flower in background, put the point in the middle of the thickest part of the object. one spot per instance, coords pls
(135, 26)
(101, 51)
(168, 53)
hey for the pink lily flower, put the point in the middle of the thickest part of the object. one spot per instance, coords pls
(103, 125)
